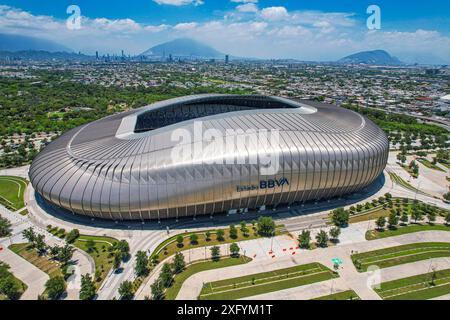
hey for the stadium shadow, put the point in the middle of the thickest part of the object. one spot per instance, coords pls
(217, 220)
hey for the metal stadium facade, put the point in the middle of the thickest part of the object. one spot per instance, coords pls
(123, 167)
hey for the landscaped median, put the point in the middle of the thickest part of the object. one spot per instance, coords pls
(380, 234)
(260, 283)
(206, 238)
(393, 256)
(420, 287)
(97, 247)
(344, 295)
(179, 279)
(43, 262)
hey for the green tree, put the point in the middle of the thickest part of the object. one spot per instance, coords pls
(65, 254)
(55, 287)
(416, 214)
(141, 267)
(447, 196)
(215, 253)
(123, 248)
(393, 220)
(266, 226)
(304, 239)
(117, 260)
(90, 245)
(5, 227)
(166, 275)
(158, 290)
(9, 287)
(208, 236)
(87, 290)
(220, 235)
(178, 262)
(72, 236)
(405, 218)
(322, 239)
(29, 235)
(447, 218)
(244, 228)
(126, 290)
(234, 249)
(431, 216)
(39, 244)
(380, 222)
(233, 232)
(193, 238)
(334, 233)
(180, 241)
(340, 217)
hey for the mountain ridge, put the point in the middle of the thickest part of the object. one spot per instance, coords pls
(15, 42)
(183, 48)
(374, 57)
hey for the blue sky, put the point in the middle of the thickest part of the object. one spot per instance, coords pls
(309, 30)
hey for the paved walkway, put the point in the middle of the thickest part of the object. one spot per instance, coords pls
(348, 274)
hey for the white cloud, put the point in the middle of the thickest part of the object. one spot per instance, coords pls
(179, 2)
(120, 25)
(159, 28)
(248, 7)
(305, 35)
(186, 26)
(274, 13)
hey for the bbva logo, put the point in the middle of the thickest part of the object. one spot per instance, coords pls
(271, 183)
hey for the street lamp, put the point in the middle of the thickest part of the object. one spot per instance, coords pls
(271, 241)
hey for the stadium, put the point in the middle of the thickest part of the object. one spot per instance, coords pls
(123, 167)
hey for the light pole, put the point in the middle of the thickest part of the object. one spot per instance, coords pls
(271, 241)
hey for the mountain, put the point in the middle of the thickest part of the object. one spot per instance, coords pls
(376, 57)
(13, 42)
(183, 48)
(34, 55)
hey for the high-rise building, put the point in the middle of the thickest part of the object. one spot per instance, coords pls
(227, 59)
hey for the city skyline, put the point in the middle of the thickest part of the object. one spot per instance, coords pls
(316, 31)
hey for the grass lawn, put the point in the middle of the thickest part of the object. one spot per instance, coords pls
(420, 287)
(100, 254)
(344, 295)
(24, 250)
(376, 234)
(24, 212)
(429, 165)
(393, 256)
(384, 210)
(371, 215)
(170, 246)
(172, 292)
(255, 284)
(11, 192)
